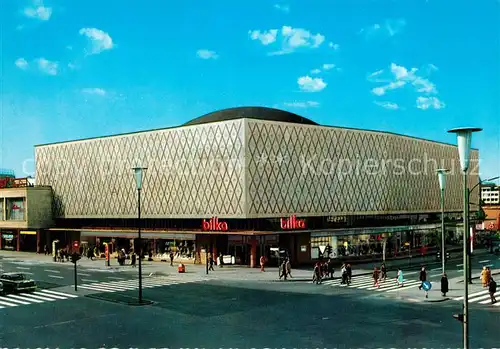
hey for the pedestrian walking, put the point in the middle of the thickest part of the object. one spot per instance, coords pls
(343, 271)
(484, 277)
(422, 278)
(331, 270)
(492, 288)
(317, 273)
(288, 267)
(383, 271)
(444, 285)
(133, 259)
(349, 274)
(400, 279)
(262, 262)
(211, 263)
(171, 259)
(376, 276)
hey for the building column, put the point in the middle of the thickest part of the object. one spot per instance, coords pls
(38, 241)
(18, 241)
(253, 253)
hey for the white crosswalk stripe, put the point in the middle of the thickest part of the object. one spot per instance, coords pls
(366, 283)
(120, 286)
(481, 297)
(37, 297)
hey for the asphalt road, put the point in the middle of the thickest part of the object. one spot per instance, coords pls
(221, 314)
(50, 275)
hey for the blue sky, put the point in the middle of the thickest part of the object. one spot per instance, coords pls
(76, 69)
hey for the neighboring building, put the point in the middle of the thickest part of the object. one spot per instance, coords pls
(249, 180)
(25, 213)
(490, 193)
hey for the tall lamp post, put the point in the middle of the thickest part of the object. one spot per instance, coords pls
(464, 139)
(139, 174)
(442, 185)
(468, 205)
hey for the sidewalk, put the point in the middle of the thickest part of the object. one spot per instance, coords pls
(234, 272)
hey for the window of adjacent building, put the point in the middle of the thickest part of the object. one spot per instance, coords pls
(15, 209)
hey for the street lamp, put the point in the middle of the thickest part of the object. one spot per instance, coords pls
(139, 174)
(468, 205)
(464, 139)
(442, 185)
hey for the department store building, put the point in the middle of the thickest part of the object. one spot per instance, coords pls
(247, 181)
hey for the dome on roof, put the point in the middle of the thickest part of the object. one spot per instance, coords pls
(260, 113)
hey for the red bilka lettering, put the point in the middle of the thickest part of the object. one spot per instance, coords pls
(292, 223)
(213, 224)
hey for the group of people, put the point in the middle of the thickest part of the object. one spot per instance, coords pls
(322, 270)
(487, 281)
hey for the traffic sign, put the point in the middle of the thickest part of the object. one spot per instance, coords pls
(426, 285)
(322, 249)
(332, 255)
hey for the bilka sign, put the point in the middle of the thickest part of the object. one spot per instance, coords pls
(292, 223)
(213, 224)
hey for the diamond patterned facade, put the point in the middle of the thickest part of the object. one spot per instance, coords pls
(248, 168)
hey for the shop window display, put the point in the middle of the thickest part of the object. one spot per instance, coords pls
(15, 209)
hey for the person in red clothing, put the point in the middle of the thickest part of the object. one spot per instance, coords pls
(376, 276)
(262, 262)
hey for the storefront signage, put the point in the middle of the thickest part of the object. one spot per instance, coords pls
(292, 223)
(213, 224)
(27, 232)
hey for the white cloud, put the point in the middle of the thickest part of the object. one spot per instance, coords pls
(327, 66)
(308, 104)
(388, 105)
(390, 27)
(425, 103)
(315, 71)
(207, 54)
(291, 39)
(99, 40)
(265, 37)
(94, 91)
(334, 46)
(72, 66)
(308, 84)
(38, 11)
(21, 63)
(47, 67)
(381, 90)
(283, 8)
(401, 76)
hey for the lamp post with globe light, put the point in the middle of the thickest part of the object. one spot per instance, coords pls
(442, 185)
(464, 139)
(139, 174)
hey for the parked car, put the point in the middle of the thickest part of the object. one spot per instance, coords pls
(1, 289)
(17, 282)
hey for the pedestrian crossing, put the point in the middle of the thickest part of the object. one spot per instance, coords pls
(481, 297)
(365, 282)
(37, 297)
(127, 285)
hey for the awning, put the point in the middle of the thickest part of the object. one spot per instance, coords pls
(133, 235)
